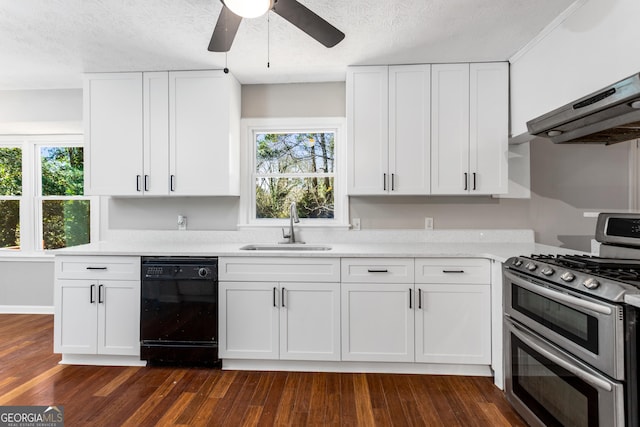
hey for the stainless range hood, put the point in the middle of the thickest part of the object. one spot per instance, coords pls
(607, 116)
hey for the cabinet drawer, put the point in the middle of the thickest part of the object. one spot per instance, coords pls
(278, 269)
(97, 267)
(453, 270)
(377, 270)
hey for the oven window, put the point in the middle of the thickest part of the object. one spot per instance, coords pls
(572, 324)
(553, 394)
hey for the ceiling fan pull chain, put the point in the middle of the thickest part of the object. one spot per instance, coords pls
(268, 40)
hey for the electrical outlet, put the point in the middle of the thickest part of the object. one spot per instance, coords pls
(428, 223)
(355, 224)
(182, 222)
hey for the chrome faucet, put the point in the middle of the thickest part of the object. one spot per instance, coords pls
(293, 217)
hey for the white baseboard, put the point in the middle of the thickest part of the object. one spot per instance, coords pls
(26, 309)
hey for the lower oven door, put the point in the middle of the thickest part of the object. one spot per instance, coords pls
(548, 387)
(590, 329)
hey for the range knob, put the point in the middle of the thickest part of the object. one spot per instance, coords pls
(517, 262)
(203, 272)
(591, 283)
(548, 271)
(567, 276)
(530, 266)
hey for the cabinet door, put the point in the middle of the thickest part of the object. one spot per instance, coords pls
(367, 130)
(410, 129)
(76, 319)
(489, 128)
(377, 322)
(450, 129)
(113, 134)
(156, 133)
(310, 321)
(453, 324)
(249, 313)
(202, 150)
(119, 317)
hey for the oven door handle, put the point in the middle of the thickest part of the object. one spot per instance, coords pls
(558, 296)
(583, 375)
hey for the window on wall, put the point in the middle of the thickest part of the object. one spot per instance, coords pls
(295, 162)
(10, 195)
(42, 201)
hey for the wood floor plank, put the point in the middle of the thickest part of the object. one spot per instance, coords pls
(150, 396)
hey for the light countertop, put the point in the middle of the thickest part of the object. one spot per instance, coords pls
(492, 250)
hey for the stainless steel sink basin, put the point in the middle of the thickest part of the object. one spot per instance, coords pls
(285, 247)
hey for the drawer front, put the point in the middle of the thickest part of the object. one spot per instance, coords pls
(97, 267)
(279, 269)
(377, 270)
(453, 270)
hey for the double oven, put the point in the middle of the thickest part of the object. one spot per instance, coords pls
(571, 345)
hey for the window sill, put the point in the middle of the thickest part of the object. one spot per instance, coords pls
(11, 256)
(254, 226)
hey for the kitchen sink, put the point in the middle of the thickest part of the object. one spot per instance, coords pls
(285, 247)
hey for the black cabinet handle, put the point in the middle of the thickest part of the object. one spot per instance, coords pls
(283, 306)
(137, 182)
(474, 181)
(453, 271)
(375, 270)
(384, 181)
(274, 296)
(92, 294)
(172, 183)
(420, 298)
(410, 302)
(100, 294)
(466, 185)
(146, 183)
(393, 182)
(96, 268)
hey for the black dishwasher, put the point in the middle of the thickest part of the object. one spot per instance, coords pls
(179, 311)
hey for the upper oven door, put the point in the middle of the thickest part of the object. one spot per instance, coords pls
(590, 329)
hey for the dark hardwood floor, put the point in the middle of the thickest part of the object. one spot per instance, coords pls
(133, 396)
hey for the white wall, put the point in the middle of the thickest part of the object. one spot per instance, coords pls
(596, 45)
(54, 111)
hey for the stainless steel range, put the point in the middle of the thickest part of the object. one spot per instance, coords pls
(571, 342)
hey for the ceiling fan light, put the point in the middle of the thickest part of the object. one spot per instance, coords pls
(248, 8)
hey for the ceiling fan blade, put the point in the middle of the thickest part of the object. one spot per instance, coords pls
(303, 18)
(224, 31)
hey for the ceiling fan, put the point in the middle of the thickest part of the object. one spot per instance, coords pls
(299, 15)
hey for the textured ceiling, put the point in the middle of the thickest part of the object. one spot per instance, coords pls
(50, 43)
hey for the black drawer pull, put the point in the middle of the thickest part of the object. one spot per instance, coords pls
(96, 268)
(420, 298)
(92, 297)
(410, 302)
(453, 271)
(377, 270)
(274, 296)
(100, 296)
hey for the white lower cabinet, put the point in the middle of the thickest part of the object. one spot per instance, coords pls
(98, 317)
(270, 320)
(377, 322)
(453, 314)
(97, 306)
(279, 308)
(453, 324)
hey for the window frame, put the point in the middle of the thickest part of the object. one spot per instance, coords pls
(251, 127)
(31, 233)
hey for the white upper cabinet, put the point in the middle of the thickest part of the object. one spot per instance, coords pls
(409, 129)
(155, 91)
(204, 127)
(388, 114)
(162, 133)
(469, 128)
(450, 129)
(367, 130)
(113, 132)
(489, 127)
